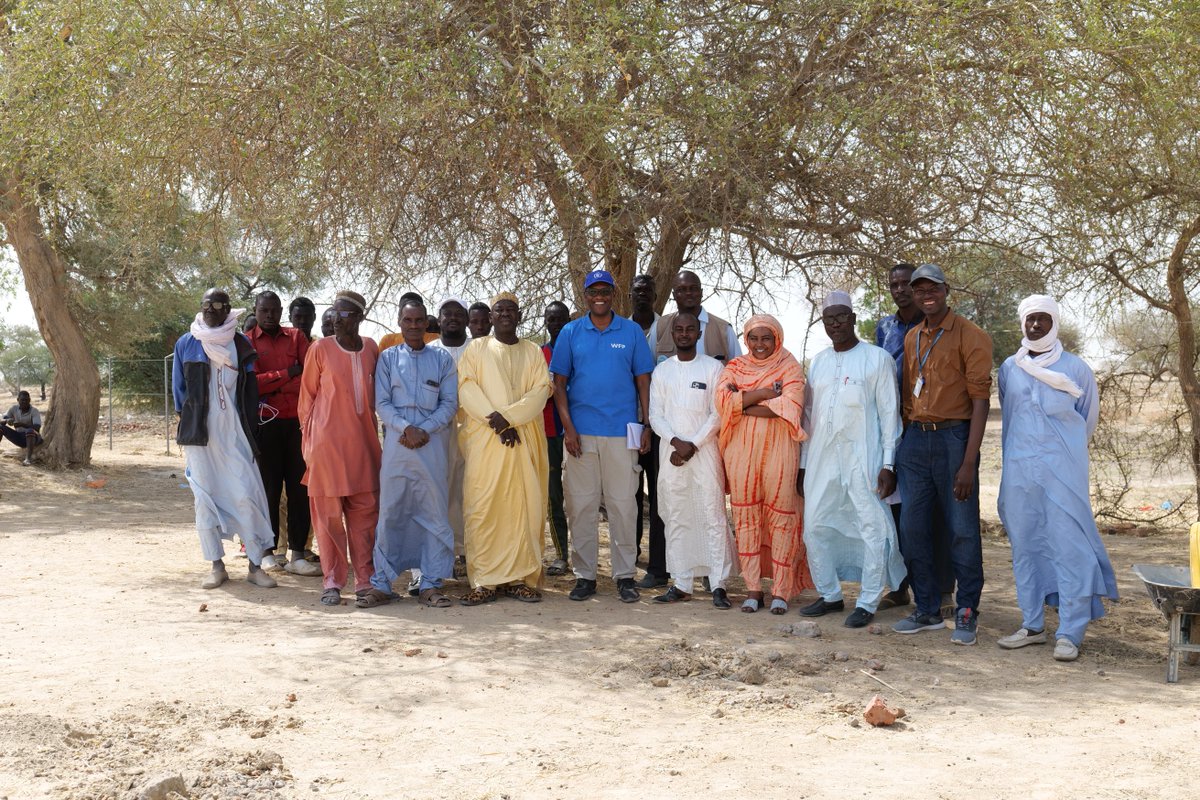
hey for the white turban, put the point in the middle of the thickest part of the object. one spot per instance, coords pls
(215, 341)
(1047, 349)
(837, 298)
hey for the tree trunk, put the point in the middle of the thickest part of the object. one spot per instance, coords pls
(669, 256)
(70, 423)
(1185, 328)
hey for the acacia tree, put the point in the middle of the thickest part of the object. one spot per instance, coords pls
(508, 142)
(551, 138)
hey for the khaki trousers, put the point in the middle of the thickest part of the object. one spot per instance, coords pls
(607, 472)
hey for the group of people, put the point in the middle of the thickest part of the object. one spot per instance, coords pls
(865, 470)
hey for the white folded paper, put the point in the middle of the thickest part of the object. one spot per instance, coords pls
(633, 435)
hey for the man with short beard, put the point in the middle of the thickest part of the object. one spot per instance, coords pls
(691, 478)
(718, 339)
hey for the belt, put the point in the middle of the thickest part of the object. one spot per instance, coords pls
(938, 426)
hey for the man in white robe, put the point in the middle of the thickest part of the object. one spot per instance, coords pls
(691, 480)
(216, 397)
(847, 467)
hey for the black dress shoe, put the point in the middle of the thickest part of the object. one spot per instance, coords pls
(626, 590)
(820, 608)
(673, 595)
(583, 589)
(859, 618)
(652, 581)
(721, 600)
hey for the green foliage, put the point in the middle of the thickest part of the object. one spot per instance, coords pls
(24, 358)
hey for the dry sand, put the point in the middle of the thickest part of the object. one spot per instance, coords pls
(115, 679)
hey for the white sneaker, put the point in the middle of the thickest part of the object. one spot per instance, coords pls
(215, 579)
(1022, 638)
(260, 578)
(270, 562)
(1065, 650)
(298, 566)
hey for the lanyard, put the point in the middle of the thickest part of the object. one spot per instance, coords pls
(921, 359)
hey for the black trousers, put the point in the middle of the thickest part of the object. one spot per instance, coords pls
(558, 515)
(280, 462)
(656, 562)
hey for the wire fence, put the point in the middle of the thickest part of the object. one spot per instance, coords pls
(136, 395)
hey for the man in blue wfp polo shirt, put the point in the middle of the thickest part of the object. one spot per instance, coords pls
(601, 367)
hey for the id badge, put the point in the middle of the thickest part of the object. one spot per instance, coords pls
(918, 386)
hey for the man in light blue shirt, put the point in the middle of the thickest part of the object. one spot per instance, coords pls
(601, 367)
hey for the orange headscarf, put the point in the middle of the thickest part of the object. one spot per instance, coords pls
(746, 373)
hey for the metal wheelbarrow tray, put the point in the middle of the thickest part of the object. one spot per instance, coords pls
(1170, 589)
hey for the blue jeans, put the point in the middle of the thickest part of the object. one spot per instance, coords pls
(925, 468)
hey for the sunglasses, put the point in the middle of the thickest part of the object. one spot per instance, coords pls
(215, 305)
(836, 319)
(345, 314)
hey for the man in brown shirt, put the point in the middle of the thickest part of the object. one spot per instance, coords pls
(947, 384)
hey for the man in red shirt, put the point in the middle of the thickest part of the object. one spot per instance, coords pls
(281, 353)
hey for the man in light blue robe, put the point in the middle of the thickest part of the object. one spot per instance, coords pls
(416, 397)
(1050, 403)
(847, 467)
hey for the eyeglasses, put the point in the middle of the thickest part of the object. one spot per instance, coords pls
(928, 291)
(215, 305)
(598, 291)
(837, 319)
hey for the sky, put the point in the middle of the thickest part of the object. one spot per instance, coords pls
(788, 303)
(790, 306)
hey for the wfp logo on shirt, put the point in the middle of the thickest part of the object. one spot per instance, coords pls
(617, 346)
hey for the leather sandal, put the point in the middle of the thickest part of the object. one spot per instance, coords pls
(433, 598)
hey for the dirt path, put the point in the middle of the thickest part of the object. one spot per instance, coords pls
(114, 678)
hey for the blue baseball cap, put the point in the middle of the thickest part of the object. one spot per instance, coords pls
(598, 276)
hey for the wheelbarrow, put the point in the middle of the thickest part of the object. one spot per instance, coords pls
(1170, 589)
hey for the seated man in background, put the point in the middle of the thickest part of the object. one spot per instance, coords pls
(22, 426)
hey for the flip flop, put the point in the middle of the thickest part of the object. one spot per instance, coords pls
(778, 606)
(750, 605)
(331, 597)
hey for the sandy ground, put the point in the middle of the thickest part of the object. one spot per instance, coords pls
(116, 677)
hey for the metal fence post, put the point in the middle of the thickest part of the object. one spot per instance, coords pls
(167, 400)
(110, 417)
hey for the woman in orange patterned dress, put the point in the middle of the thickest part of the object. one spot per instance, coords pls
(760, 398)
